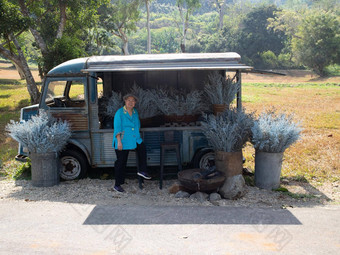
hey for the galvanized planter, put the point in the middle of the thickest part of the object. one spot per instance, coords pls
(268, 169)
(45, 169)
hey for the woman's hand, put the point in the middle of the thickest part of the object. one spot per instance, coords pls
(119, 145)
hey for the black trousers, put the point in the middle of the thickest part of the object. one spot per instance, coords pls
(120, 164)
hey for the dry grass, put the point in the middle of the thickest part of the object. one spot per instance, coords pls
(317, 155)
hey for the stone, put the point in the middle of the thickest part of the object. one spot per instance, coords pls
(182, 194)
(285, 181)
(233, 187)
(214, 197)
(200, 196)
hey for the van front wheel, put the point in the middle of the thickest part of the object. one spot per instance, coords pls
(204, 159)
(73, 165)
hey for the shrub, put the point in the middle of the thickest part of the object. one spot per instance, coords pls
(274, 133)
(229, 131)
(220, 90)
(41, 134)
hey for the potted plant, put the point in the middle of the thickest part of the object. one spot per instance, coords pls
(272, 134)
(227, 133)
(220, 91)
(43, 137)
(178, 107)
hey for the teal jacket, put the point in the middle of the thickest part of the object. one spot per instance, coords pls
(128, 128)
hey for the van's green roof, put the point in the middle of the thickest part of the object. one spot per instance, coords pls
(148, 62)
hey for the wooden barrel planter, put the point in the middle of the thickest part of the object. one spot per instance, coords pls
(229, 163)
(219, 108)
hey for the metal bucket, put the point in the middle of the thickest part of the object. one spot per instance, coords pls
(268, 169)
(229, 163)
(45, 169)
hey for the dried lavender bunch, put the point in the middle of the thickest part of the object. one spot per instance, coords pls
(179, 104)
(114, 103)
(229, 131)
(147, 102)
(220, 90)
(273, 132)
(40, 134)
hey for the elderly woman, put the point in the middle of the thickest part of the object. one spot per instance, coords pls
(126, 137)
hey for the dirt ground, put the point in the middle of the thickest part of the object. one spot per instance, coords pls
(291, 76)
(7, 71)
(96, 191)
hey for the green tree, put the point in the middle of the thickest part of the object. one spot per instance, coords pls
(221, 6)
(256, 38)
(120, 18)
(165, 41)
(147, 5)
(12, 25)
(51, 20)
(186, 9)
(317, 41)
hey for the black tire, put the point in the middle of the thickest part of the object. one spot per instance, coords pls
(202, 158)
(73, 165)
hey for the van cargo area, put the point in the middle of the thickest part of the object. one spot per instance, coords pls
(79, 90)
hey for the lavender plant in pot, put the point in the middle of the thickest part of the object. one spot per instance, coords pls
(227, 133)
(44, 137)
(220, 91)
(272, 134)
(179, 107)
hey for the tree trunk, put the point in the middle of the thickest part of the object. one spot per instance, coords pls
(21, 63)
(62, 22)
(38, 38)
(221, 13)
(31, 85)
(220, 7)
(125, 42)
(20, 71)
(125, 47)
(147, 3)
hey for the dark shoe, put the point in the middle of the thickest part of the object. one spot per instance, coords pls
(144, 175)
(119, 189)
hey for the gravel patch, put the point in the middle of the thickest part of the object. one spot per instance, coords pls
(96, 191)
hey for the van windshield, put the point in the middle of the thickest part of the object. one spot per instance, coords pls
(65, 93)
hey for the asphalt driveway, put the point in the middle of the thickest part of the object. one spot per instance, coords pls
(64, 228)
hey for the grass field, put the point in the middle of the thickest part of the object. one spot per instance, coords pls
(315, 103)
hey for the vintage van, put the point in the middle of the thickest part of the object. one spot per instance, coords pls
(73, 90)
